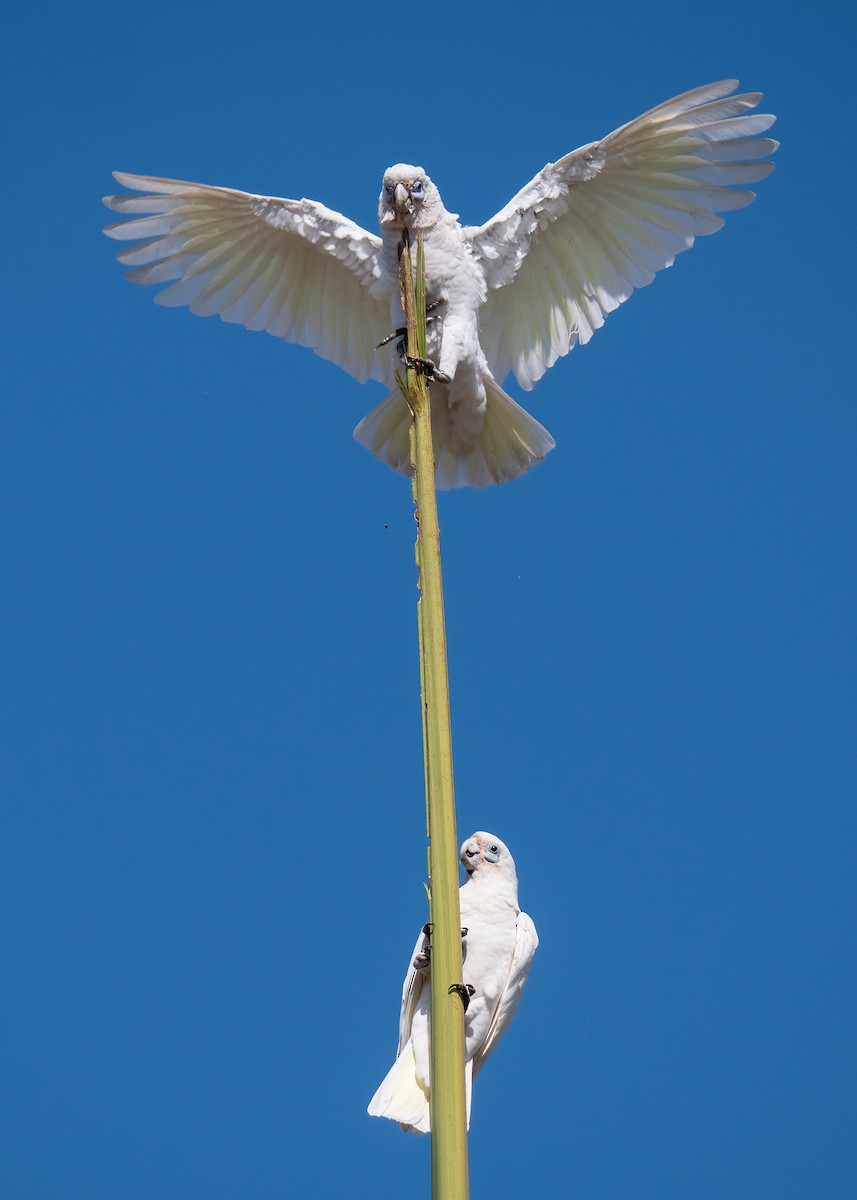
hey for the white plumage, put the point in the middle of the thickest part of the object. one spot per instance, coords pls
(517, 293)
(497, 950)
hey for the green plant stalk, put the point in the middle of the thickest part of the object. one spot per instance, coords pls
(448, 1117)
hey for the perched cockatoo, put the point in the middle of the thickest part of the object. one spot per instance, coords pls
(514, 294)
(498, 944)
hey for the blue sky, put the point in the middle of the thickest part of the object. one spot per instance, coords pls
(213, 853)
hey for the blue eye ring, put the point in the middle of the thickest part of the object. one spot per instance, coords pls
(417, 187)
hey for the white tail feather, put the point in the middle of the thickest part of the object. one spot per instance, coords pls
(508, 443)
(403, 1098)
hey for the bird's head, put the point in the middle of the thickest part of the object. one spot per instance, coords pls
(486, 854)
(409, 199)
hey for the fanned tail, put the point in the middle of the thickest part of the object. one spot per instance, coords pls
(403, 1098)
(509, 442)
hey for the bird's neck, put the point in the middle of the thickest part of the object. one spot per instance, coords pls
(502, 889)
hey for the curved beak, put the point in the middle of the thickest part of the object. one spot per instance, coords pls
(402, 198)
(471, 857)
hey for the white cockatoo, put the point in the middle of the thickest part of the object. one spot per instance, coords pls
(498, 944)
(514, 294)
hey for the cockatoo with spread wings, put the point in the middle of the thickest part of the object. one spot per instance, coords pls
(514, 294)
(498, 945)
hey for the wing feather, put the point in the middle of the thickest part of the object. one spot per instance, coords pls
(411, 991)
(526, 943)
(291, 267)
(591, 228)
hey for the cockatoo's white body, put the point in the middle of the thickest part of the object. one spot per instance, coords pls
(497, 950)
(515, 293)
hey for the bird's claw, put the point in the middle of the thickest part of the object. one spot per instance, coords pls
(401, 333)
(397, 333)
(464, 990)
(425, 366)
(422, 961)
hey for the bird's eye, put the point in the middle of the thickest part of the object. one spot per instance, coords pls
(417, 187)
(494, 848)
(388, 188)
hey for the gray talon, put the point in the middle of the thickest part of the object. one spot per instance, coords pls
(401, 333)
(386, 341)
(465, 991)
(426, 367)
(422, 961)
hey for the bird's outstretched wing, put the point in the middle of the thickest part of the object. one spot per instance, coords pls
(589, 229)
(291, 267)
(526, 942)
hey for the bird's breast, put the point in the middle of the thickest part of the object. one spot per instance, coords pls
(451, 274)
(488, 947)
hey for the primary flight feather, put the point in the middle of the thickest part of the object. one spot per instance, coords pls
(512, 295)
(498, 945)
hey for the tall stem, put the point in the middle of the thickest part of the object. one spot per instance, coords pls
(448, 1119)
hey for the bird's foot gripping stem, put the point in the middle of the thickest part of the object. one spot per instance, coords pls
(465, 991)
(425, 366)
(402, 333)
(422, 961)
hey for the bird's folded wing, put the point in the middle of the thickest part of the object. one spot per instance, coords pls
(589, 229)
(291, 267)
(526, 942)
(411, 991)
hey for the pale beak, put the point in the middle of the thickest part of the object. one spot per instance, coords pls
(471, 858)
(402, 198)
